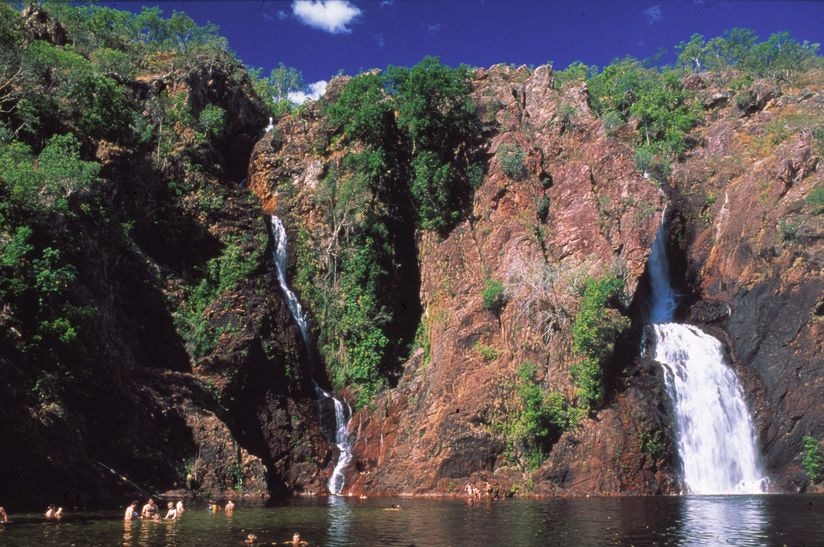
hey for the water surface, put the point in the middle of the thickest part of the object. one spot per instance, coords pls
(670, 521)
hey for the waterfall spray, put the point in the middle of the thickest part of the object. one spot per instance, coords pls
(343, 414)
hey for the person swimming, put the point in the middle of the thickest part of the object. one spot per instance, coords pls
(171, 513)
(230, 507)
(296, 541)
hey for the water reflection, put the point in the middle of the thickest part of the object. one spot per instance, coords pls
(677, 521)
(722, 520)
(340, 515)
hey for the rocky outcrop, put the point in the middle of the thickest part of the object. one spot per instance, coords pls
(579, 207)
(752, 243)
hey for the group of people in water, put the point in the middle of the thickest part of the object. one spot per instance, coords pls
(150, 511)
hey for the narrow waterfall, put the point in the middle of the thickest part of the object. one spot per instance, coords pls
(714, 429)
(342, 412)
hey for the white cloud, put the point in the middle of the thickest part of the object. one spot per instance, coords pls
(282, 14)
(654, 14)
(329, 15)
(386, 3)
(433, 27)
(381, 40)
(312, 92)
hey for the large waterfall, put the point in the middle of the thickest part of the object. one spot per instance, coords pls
(714, 430)
(342, 412)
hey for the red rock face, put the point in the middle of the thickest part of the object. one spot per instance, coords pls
(753, 243)
(741, 230)
(440, 429)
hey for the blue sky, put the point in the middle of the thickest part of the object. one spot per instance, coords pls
(321, 37)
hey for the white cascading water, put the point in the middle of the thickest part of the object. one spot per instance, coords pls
(714, 429)
(342, 412)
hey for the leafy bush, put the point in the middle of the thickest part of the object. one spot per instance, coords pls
(812, 459)
(431, 191)
(815, 199)
(494, 296)
(540, 417)
(511, 158)
(489, 353)
(651, 442)
(594, 331)
(210, 120)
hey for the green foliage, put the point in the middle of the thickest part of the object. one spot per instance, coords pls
(430, 190)
(211, 120)
(511, 158)
(788, 230)
(222, 273)
(594, 332)
(575, 72)
(47, 183)
(651, 442)
(284, 80)
(494, 296)
(812, 460)
(778, 57)
(540, 418)
(489, 353)
(433, 103)
(363, 110)
(815, 200)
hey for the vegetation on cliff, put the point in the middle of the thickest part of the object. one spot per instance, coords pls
(406, 137)
(113, 149)
(127, 239)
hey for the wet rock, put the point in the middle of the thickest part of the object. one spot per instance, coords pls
(706, 311)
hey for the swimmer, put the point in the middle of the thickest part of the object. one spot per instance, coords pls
(395, 507)
(171, 514)
(4, 517)
(230, 507)
(131, 511)
(251, 538)
(296, 541)
(149, 510)
(179, 507)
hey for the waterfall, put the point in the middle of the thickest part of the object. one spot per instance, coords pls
(342, 412)
(714, 430)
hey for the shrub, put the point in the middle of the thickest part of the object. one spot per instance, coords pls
(489, 353)
(540, 417)
(211, 120)
(511, 158)
(815, 199)
(494, 296)
(651, 442)
(812, 460)
(594, 331)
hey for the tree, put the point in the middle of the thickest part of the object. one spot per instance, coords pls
(693, 55)
(284, 80)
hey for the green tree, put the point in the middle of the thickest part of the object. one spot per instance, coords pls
(284, 80)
